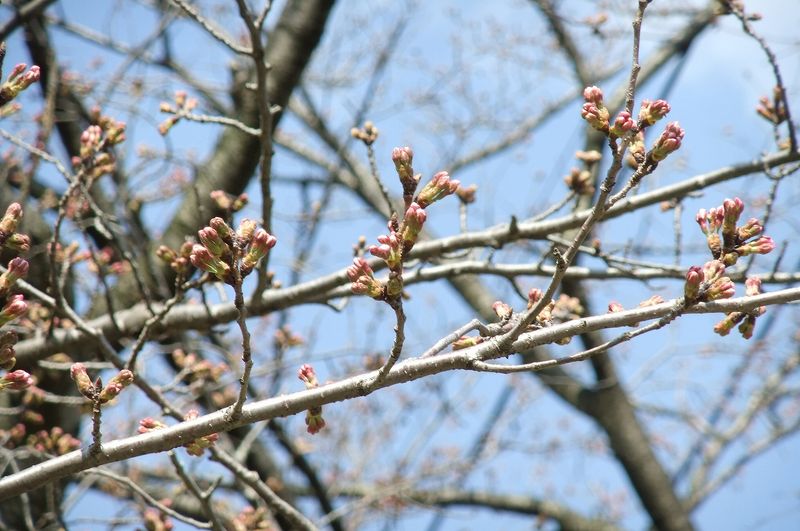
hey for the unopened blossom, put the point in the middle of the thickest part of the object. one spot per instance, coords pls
(534, 296)
(593, 94)
(721, 288)
(467, 193)
(730, 320)
(712, 270)
(10, 220)
(623, 124)
(202, 259)
(308, 376)
(596, 115)
(82, 381)
(149, 424)
(363, 280)
(669, 141)
(502, 310)
(8, 338)
(752, 286)
(762, 245)
(16, 380)
(314, 420)
(652, 111)
(637, 149)
(14, 308)
(651, 301)
(17, 269)
(580, 181)
(438, 187)
(20, 243)
(260, 245)
(247, 228)
(211, 241)
(90, 141)
(402, 158)
(197, 446)
(17, 81)
(390, 249)
(114, 387)
(412, 224)
(750, 229)
(615, 307)
(732, 210)
(694, 278)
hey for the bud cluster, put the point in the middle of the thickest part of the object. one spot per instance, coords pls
(773, 111)
(95, 158)
(182, 106)
(727, 240)
(54, 442)
(229, 203)
(745, 320)
(250, 519)
(197, 369)
(94, 390)
(367, 134)
(197, 446)
(221, 250)
(707, 283)
(18, 80)
(314, 420)
(9, 237)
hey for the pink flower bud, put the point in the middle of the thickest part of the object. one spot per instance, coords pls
(502, 310)
(721, 288)
(466, 342)
(122, 380)
(712, 270)
(438, 187)
(763, 245)
(390, 249)
(261, 244)
(308, 376)
(211, 240)
(596, 115)
(724, 327)
(615, 307)
(412, 224)
(149, 424)
(362, 279)
(202, 259)
(402, 157)
(534, 296)
(247, 227)
(752, 286)
(623, 124)
(652, 111)
(751, 229)
(82, 381)
(593, 94)
(10, 220)
(16, 380)
(694, 277)
(14, 308)
(669, 141)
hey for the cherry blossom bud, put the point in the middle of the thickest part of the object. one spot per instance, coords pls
(752, 286)
(390, 249)
(651, 301)
(652, 111)
(202, 259)
(502, 310)
(362, 279)
(751, 229)
(467, 194)
(593, 94)
(307, 375)
(694, 278)
(20, 243)
(596, 115)
(81, 378)
(623, 124)
(8, 338)
(412, 224)
(712, 270)
(724, 327)
(166, 254)
(113, 388)
(211, 240)
(402, 157)
(615, 307)
(747, 327)
(534, 296)
(199, 445)
(721, 288)
(314, 420)
(580, 181)
(637, 149)
(17, 269)
(16, 380)
(438, 187)
(149, 424)
(763, 245)
(669, 141)
(732, 209)
(466, 342)
(14, 308)
(10, 220)
(247, 227)
(261, 244)
(17, 82)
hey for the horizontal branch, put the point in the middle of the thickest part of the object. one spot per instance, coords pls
(355, 386)
(128, 323)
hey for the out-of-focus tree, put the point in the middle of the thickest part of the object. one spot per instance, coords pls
(230, 302)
